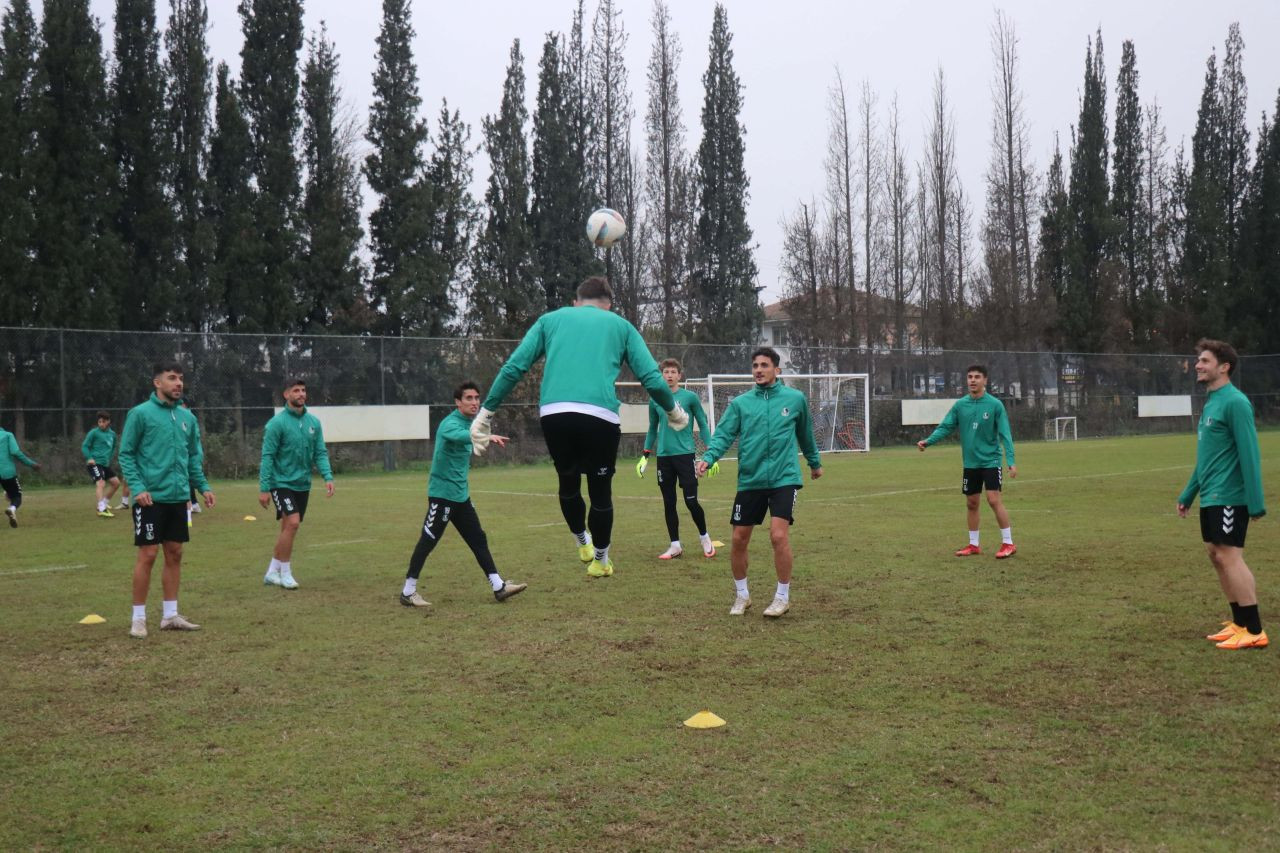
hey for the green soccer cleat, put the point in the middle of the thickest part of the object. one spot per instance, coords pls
(586, 553)
(597, 569)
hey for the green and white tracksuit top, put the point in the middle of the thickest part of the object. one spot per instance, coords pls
(666, 441)
(9, 452)
(451, 459)
(983, 424)
(99, 445)
(585, 347)
(292, 442)
(770, 422)
(160, 452)
(1228, 466)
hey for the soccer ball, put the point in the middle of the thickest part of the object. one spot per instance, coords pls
(605, 227)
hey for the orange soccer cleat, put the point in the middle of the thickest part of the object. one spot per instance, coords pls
(1007, 550)
(1226, 632)
(969, 551)
(1244, 640)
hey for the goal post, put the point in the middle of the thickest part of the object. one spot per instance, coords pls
(839, 405)
(1056, 429)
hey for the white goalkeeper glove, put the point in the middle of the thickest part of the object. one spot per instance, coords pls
(481, 431)
(678, 418)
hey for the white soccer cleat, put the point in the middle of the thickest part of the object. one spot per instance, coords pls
(287, 581)
(671, 553)
(138, 629)
(740, 606)
(777, 608)
(178, 622)
(272, 578)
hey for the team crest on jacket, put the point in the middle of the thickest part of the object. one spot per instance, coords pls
(785, 411)
(986, 415)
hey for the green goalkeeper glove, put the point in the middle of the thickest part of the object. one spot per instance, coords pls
(642, 465)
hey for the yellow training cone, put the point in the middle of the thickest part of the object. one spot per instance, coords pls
(92, 619)
(250, 518)
(704, 720)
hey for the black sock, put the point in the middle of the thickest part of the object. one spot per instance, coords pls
(1235, 614)
(1250, 619)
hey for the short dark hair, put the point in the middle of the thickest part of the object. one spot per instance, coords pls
(1222, 351)
(670, 362)
(166, 367)
(293, 383)
(595, 287)
(463, 388)
(976, 368)
(103, 416)
(769, 353)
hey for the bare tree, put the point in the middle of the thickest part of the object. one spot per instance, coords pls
(940, 186)
(840, 167)
(898, 212)
(610, 97)
(869, 174)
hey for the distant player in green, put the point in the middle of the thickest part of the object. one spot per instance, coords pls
(675, 460)
(10, 454)
(585, 347)
(771, 423)
(1228, 479)
(98, 449)
(292, 444)
(449, 500)
(160, 457)
(984, 427)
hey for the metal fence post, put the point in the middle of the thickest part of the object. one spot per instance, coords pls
(62, 382)
(388, 448)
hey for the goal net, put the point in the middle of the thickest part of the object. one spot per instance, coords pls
(839, 405)
(1060, 429)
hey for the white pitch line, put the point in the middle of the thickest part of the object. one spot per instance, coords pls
(343, 542)
(45, 569)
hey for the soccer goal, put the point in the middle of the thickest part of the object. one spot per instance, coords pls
(839, 404)
(1056, 429)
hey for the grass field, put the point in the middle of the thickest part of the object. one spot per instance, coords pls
(1063, 699)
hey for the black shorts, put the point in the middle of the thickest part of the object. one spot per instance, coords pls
(749, 505)
(976, 478)
(677, 469)
(101, 472)
(160, 523)
(1224, 525)
(12, 488)
(290, 502)
(582, 444)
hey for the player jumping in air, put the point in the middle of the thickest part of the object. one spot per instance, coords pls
(1228, 479)
(675, 460)
(292, 443)
(770, 422)
(449, 500)
(585, 347)
(984, 426)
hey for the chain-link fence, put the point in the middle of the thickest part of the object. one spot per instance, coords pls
(53, 381)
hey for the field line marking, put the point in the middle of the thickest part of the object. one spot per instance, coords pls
(341, 542)
(45, 569)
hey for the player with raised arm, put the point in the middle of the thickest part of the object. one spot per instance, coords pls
(675, 460)
(984, 426)
(1228, 479)
(771, 423)
(98, 449)
(292, 444)
(160, 457)
(585, 346)
(10, 455)
(449, 500)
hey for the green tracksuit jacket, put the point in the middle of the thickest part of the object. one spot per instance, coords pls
(99, 445)
(770, 423)
(983, 424)
(451, 459)
(665, 441)
(8, 453)
(160, 452)
(291, 443)
(585, 347)
(1228, 466)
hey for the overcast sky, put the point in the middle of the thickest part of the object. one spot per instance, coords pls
(786, 54)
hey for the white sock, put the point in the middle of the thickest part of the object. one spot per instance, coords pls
(285, 568)
(170, 609)
(274, 567)
(124, 501)
(583, 538)
(102, 505)
(676, 546)
(741, 586)
(140, 612)
(410, 586)
(13, 509)
(705, 539)
(496, 581)
(973, 538)
(784, 591)
(1006, 535)
(602, 554)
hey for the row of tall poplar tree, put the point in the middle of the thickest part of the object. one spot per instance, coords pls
(158, 192)
(1123, 245)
